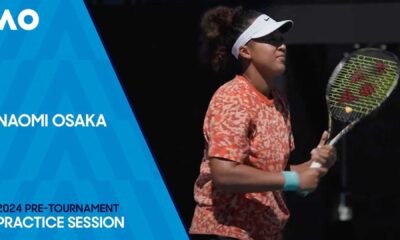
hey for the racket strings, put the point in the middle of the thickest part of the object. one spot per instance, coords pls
(361, 85)
(343, 116)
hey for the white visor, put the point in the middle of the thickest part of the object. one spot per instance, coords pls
(263, 25)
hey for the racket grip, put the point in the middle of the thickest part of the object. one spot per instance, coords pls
(315, 165)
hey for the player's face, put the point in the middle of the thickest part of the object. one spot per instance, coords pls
(268, 54)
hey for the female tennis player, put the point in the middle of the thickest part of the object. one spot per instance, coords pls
(239, 192)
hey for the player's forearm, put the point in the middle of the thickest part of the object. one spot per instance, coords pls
(242, 178)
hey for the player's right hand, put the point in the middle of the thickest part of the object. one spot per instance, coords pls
(309, 178)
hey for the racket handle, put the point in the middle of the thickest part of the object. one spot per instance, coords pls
(313, 165)
(332, 142)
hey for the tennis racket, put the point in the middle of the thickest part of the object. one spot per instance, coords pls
(358, 86)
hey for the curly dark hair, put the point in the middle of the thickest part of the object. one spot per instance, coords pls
(221, 26)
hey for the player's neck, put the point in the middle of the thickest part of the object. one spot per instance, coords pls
(259, 82)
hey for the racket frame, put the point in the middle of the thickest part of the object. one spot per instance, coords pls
(353, 123)
(332, 78)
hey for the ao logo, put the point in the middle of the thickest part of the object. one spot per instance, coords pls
(8, 19)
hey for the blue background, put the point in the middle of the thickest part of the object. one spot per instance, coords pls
(61, 67)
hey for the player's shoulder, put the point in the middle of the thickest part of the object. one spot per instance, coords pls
(236, 89)
(232, 96)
